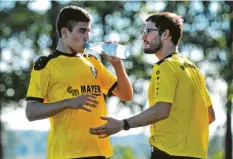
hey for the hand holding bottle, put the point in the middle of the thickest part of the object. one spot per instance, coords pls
(112, 59)
(110, 49)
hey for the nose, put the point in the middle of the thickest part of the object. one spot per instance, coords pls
(86, 36)
(143, 37)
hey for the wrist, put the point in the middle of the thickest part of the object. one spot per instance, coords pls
(121, 125)
(116, 63)
(126, 125)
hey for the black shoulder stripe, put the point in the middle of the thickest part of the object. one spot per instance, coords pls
(35, 98)
(89, 55)
(111, 89)
(43, 60)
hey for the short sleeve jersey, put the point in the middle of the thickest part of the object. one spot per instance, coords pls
(61, 76)
(178, 81)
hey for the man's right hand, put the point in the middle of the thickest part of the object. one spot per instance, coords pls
(82, 102)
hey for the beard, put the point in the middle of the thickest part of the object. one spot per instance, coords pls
(153, 47)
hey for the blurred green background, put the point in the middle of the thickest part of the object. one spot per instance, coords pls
(28, 31)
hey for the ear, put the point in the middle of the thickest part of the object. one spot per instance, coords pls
(64, 32)
(166, 34)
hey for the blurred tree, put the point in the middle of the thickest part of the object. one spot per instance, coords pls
(18, 25)
(228, 76)
(123, 153)
(218, 155)
(10, 142)
(26, 34)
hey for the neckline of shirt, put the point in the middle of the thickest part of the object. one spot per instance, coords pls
(66, 54)
(170, 55)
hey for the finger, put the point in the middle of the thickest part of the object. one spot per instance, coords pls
(90, 96)
(103, 136)
(90, 105)
(84, 108)
(100, 128)
(91, 101)
(104, 118)
(104, 55)
(98, 132)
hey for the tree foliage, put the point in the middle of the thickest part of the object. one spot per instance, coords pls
(207, 40)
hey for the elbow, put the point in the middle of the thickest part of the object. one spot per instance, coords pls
(212, 119)
(30, 119)
(127, 97)
(211, 114)
(161, 111)
(164, 115)
(30, 115)
(127, 94)
(157, 116)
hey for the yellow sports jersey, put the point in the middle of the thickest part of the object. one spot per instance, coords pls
(185, 132)
(63, 76)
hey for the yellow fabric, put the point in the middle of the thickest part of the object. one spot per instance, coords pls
(67, 77)
(185, 132)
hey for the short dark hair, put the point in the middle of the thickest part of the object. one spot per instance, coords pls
(70, 16)
(170, 21)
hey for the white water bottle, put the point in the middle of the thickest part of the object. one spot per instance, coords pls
(111, 49)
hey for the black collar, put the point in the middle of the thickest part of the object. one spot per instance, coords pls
(57, 52)
(161, 61)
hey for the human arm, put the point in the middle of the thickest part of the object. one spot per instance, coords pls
(124, 89)
(211, 114)
(159, 111)
(36, 110)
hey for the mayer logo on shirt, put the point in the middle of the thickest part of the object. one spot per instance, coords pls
(94, 71)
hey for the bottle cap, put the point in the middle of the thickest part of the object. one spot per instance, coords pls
(128, 51)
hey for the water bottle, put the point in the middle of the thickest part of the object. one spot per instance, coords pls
(111, 49)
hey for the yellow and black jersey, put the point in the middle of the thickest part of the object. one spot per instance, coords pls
(177, 81)
(62, 76)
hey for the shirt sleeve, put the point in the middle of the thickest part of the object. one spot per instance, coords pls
(206, 93)
(165, 80)
(38, 85)
(208, 99)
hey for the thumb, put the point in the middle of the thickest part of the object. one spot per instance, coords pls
(104, 118)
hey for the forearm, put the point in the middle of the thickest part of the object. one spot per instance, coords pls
(37, 111)
(152, 115)
(123, 83)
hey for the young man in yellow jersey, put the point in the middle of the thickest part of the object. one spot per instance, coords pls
(180, 107)
(67, 87)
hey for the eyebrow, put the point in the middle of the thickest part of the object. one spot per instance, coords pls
(84, 29)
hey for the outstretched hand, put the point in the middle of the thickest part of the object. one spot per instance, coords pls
(112, 126)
